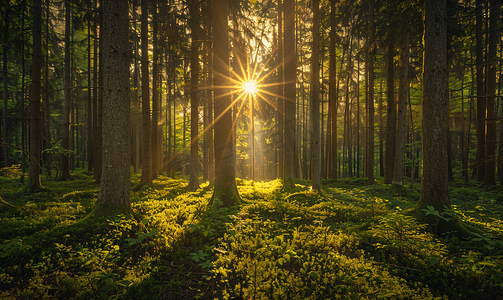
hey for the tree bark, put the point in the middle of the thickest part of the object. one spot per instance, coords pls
(371, 109)
(290, 92)
(391, 116)
(332, 93)
(146, 169)
(154, 153)
(68, 94)
(481, 101)
(315, 100)
(36, 66)
(5, 110)
(434, 183)
(116, 179)
(399, 164)
(490, 148)
(225, 192)
(281, 89)
(194, 94)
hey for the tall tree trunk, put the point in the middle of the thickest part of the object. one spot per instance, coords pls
(281, 89)
(5, 95)
(371, 110)
(89, 98)
(225, 192)
(403, 90)
(290, 83)
(146, 169)
(46, 110)
(68, 94)
(155, 95)
(315, 100)
(116, 180)
(490, 149)
(391, 116)
(36, 66)
(194, 94)
(481, 101)
(98, 139)
(434, 183)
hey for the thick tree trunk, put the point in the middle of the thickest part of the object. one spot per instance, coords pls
(225, 192)
(194, 94)
(315, 100)
(146, 169)
(490, 149)
(399, 165)
(116, 179)
(36, 66)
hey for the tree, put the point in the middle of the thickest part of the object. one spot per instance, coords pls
(399, 164)
(434, 182)
(333, 91)
(225, 192)
(315, 99)
(68, 94)
(290, 93)
(5, 110)
(370, 99)
(116, 178)
(194, 94)
(146, 167)
(391, 118)
(490, 140)
(35, 94)
(481, 101)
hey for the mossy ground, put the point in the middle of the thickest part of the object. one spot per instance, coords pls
(351, 241)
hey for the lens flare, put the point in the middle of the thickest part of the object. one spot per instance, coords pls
(250, 87)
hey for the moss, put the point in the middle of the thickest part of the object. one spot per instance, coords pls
(441, 226)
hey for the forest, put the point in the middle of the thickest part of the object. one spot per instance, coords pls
(251, 149)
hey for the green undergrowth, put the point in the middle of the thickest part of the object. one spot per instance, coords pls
(351, 241)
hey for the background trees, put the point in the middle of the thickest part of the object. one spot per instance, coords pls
(367, 82)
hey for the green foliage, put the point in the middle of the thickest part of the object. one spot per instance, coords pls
(351, 241)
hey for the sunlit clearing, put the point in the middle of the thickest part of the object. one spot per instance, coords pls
(250, 87)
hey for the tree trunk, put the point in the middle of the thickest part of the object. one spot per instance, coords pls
(290, 83)
(225, 192)
(146, 169)
(194, 94)
(371, 110)
(391, 118)
(116, 180)
(490, 149)
(315, 100)
(154, 153)
(5, 110)
(399, 164)
(68, 94)
(481, 101)
(332, 94)
(36, 66)
(281, 89)
(89, 98)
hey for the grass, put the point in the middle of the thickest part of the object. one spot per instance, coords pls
(351, 241)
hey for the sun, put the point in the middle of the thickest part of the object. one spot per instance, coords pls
(250, 87)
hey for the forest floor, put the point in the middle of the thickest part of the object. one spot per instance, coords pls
(351, 241)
